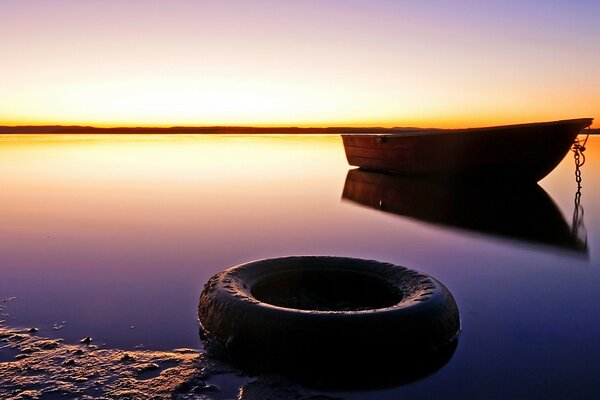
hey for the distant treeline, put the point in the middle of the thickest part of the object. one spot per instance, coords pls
(210, 130)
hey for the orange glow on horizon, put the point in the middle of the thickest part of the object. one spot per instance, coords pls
(268, 63)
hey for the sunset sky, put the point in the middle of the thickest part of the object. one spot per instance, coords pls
(307, 63)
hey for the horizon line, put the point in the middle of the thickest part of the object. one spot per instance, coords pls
(39, 128)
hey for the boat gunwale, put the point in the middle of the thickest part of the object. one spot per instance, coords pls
(409, 132)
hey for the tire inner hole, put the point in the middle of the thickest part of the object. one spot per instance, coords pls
(326, 291)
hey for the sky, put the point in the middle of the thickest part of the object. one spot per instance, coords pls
(423, 63)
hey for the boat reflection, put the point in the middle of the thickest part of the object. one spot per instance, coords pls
(522, 212)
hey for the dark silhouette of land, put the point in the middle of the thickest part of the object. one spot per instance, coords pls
(192, 129)
(75, 129)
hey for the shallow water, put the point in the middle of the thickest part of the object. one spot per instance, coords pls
(114, 236)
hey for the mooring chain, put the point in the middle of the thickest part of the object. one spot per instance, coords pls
(579, 156)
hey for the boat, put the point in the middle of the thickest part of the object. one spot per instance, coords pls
(525, 213)
(509, 153)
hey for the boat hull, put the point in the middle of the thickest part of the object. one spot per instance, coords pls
(526, 152)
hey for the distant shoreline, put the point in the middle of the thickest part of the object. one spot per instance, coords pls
(60, 129)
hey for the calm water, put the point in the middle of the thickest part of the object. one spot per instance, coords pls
(116, 235)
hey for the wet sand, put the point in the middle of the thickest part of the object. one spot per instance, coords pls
(35, 367)
(42, 367)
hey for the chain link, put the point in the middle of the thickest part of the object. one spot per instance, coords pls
(578, 149)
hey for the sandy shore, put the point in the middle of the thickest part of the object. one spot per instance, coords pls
(42, 366)
(35, 367)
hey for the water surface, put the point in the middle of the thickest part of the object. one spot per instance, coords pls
(114, 236)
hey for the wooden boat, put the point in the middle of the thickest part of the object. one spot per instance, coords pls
(524, 152)
(525, 213)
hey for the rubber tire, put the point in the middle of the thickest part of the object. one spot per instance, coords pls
(424, 320)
